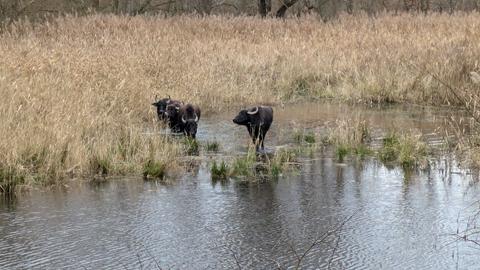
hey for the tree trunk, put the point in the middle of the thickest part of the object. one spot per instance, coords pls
(96, 4)
(116, 6)
(349, 4)
(425, 6)
(283, 9)
(206, 7)
(262, 8)
(451, 5)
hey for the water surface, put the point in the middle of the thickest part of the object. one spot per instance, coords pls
(396, 220)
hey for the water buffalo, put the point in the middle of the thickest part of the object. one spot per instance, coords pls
(183, 118)
(162, 104)
(189, 116)
(173, 118)
(257, 120)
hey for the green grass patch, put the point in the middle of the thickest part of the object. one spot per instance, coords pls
(191, 146)
(245, 166)
(100, 165)
(263, 166)
(341, 151)
(212, 146)
(406, 150)
(219, 171)
(10, 178)
(362, 151)
(304, 137)
(281, 161)
(154, 169)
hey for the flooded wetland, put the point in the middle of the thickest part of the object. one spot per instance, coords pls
(358, 179)
(356, 212)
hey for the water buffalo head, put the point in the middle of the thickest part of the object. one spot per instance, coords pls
(171, 110)
(190, 126)
(161, 105)
(244, 116)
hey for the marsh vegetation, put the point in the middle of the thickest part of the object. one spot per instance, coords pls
(77, 90)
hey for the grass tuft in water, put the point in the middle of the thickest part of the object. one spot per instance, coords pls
(154, 169)
(245, 166)
(219, 171)
(264, 166)
(341, 151)
(212, 146)
(191, 146)
(304, 137)
(349, 136)
(10, 178)
(389, 150)
(362, 151)
(100, 165)
(281, 161)
(407, 150)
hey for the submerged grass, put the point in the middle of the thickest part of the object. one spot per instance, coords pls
(77, 91)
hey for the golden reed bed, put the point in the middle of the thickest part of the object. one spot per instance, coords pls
(76, 91)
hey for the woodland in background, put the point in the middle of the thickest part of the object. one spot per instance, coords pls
(10, 10)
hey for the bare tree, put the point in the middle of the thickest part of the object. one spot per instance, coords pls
(349, 5)
(286, 4)
(264, 7)
(451, 6)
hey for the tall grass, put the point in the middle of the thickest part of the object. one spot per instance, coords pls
(76, 91)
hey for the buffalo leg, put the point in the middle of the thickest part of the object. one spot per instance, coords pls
(263, 132)
(256, 137)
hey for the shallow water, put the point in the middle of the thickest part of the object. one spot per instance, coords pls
(392, 220)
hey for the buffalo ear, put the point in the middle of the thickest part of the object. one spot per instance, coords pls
(154, 104)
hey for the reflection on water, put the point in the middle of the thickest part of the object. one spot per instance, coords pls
(399, 221)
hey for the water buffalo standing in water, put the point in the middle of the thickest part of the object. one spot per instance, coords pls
(257, 120)
(162, 104)
(173, 118)
(189, 115)
(183, 118)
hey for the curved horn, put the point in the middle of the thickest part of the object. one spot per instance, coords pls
(156, 97)
(196, 118)
(254, 112)
(169, 97)
(183, 120)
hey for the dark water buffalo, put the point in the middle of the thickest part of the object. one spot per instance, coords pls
(173, 118)
(162, 104)
(189, 115)
(183, 118)
(257, 120)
